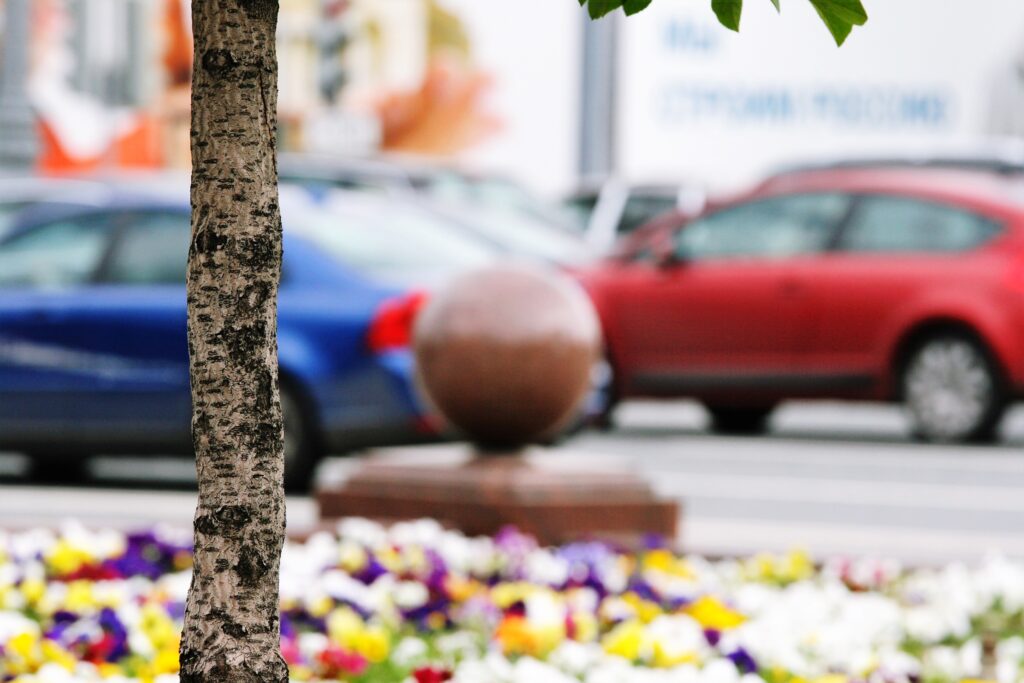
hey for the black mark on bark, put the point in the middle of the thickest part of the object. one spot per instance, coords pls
(219, 62)
(252, 565)
(224, 520)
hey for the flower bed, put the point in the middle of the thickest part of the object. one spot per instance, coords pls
(415, 603)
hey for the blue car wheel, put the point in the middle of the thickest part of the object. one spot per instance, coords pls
(302, 451)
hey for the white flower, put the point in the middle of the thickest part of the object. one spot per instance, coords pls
(409, 595)
(546, 569)
(343, 588)
(459, 644)
(491, 669)
(312, 644)
(575, 658)
(545, 610)
(677, 635)
(720, 671)
(423, 532)
(529, 670)
(368, 533)
(409, 651)
(13, 624)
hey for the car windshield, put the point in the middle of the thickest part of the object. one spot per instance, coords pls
(496, 193)
(580, 209)
(8, 211)
(389, 241)
(519, 235)
(532, 239)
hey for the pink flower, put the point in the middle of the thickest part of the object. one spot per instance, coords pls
(338, 661)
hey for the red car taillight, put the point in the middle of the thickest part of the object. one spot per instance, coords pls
(391, 327)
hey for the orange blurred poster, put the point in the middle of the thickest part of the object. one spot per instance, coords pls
(82, 130)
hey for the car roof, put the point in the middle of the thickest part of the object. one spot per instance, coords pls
(401, 171)
(1001, 155)
(164, 193)
(959, 185)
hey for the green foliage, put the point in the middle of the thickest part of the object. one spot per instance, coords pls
(599, 8)
(728, 12)
(840, 16)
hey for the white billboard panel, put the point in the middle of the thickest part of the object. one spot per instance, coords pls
(698, 101)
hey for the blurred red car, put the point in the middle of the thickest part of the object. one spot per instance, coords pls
(872, 283)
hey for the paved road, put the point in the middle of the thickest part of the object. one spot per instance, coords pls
(832, 478)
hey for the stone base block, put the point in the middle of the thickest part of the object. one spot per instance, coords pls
(555, 497)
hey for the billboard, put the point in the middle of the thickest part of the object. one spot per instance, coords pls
(696, 101)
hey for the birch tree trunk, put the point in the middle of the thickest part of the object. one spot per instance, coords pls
(232, 629)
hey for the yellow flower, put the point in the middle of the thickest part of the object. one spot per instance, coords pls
(182, 560)
(33, 590)
(517, 638)
(55, 654)
(343, 626)
(320, 607)
(586, 627)
(390, 560)
(372, 643)
(158, 627)
(794, 566)
(646, 610)
(504, 595)
(831, 678)
(666, 659)
(80, 596)
(663, 561)
(712, 614)
(461, 589)
(64, 558)
(301, 673)
(23, 645)
(625, 640)
(166, 660)
(797, 566)
(353, 557)
(416, 560)
(108, 670)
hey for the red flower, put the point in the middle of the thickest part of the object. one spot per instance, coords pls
(429, 674)
(338, 661)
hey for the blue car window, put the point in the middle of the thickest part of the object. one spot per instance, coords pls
(395, 245)
(766, 229)
(151, 250)
(60, 254)
(902, 225)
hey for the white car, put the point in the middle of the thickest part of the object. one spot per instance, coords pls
(609, 209)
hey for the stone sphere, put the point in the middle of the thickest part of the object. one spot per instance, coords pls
(505, 354)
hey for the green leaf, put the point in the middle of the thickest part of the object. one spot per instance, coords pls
(728, 12)
(841, 16)
(634, 6)
(599, 8)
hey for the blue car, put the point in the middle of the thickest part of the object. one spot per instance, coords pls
(93, 353)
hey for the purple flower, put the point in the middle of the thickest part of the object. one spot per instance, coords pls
(654, 542)
(743, 661)
(112, 625)
(371, 572)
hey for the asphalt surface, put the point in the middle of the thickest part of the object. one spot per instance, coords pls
(831, 478)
